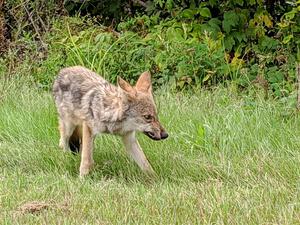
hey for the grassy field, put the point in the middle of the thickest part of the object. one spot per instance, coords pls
(229, 160)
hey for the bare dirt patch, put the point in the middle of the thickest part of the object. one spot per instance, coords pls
(36, 207)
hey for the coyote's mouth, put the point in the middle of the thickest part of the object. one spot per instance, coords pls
(151, 135)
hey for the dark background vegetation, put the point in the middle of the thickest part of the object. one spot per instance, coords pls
(185, 44)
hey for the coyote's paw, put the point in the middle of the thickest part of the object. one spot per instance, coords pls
(63, 146)
(85, 169)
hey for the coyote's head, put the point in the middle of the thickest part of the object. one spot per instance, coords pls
(141, 113)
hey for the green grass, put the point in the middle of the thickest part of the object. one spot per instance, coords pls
(229, 160)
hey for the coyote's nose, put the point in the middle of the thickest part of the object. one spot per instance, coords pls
(164, 135)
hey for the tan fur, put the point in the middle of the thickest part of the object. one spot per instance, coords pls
(87, 150)
(87, 105)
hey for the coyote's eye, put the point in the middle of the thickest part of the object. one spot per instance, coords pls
(148, 117)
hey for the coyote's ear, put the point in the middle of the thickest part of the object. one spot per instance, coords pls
(144, 82)
(125, 86)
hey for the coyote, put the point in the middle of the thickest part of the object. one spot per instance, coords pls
(87, 104)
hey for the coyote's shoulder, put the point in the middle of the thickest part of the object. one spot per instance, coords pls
(87, 104)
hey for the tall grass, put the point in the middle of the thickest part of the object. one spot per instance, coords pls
(229, 160)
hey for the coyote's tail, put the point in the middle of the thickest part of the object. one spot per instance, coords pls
(75, 140)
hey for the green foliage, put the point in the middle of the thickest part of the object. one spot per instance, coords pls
(169, 52)
(289, 25)
(34, 17)
(183, 43)
(105, 10)
(252, 33)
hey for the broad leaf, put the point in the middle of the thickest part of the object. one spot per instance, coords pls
(231, 19)
(205, 12)
(287, 39)
(229, 42)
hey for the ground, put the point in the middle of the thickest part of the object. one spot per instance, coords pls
(229, 159)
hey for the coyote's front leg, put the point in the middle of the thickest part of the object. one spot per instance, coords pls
(135, 151)
(87, 150)
(66, 128)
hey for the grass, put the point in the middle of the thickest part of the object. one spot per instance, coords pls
(229, 159)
